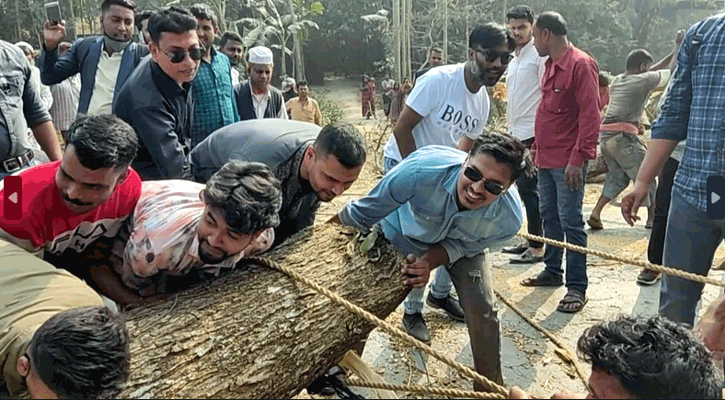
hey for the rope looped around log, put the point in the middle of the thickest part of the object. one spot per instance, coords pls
(385, 326)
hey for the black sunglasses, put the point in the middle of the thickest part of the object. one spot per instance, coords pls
(492, 55)
(475, 176)
(178, 56)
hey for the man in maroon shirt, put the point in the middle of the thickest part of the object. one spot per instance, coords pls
(566, 131)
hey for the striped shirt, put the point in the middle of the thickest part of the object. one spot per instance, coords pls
(215, 105)
(65, 102)
(693, 110)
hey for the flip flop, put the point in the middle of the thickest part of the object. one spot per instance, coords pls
(595, 223)
(543, 279)
(572, 297)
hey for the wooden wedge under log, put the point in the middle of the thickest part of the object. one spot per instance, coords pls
(255, 332)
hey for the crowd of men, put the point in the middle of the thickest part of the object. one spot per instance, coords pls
(168, 177)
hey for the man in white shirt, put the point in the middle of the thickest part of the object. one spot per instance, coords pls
(231, 45)
(449, 106)
(523, 85)
(256, 98)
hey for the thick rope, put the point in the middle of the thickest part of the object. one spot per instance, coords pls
(654, 267)
(448, 393)
(564, 348)
(383, 325)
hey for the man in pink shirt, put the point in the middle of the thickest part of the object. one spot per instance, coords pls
(565, 138)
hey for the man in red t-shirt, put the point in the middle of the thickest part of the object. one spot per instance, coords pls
(72, 203)
(565, 138)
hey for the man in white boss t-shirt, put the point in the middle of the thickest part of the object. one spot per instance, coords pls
(448, 106)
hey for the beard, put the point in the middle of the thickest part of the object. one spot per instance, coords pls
(234, 61)
(210, 255)
(487, 76)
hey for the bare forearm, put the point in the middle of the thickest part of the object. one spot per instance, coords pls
(436, 255)
(405, 141)
(657, 154)
(108, 283)
(48, 140)
(665, 62)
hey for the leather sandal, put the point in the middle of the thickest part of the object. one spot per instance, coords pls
(573, 297)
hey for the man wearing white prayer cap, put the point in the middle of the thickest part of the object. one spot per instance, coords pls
(256, 98)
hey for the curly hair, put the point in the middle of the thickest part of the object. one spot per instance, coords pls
(248, 194)
(653, 358)
(508, 150)
(82, 353)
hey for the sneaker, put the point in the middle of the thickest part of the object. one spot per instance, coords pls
(648, 277)
(415, 325)
(449, 304)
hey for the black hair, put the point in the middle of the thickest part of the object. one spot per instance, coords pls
(637, 57)
(227, 36)
(490, 35)
(507, 150)
(248, 193)
(103, 141)
(203, 11)
(553, 21)
(106, 5)
(173, 19)
(82, 353)
(302, 83)
(343, 141)
(141, 17)
(653, 358)
(520, 12)
(603, 79)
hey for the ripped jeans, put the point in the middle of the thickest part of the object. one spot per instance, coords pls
(472, 280)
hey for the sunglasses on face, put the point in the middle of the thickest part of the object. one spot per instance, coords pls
(474, 176)
(178, 56)
(491, 55)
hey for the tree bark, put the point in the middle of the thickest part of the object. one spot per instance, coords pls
(255, 332)
(396, 39)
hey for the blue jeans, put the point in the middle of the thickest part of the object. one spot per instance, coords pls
(561, 211)
(690, 243)
(441, 285)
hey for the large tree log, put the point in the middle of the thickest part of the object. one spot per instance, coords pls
(256, 333)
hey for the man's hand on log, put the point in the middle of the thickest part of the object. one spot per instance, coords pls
(334, 220)
(418, 271)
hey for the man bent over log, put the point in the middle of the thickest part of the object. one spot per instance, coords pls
(441, 206)
(184, 232)
(57, 340)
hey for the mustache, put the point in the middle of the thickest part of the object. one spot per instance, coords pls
(74, 201)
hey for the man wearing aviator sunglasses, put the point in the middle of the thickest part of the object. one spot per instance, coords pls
(156, 100)
(443, 207)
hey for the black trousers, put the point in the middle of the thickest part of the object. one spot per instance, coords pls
(656, 246)
(529, 192)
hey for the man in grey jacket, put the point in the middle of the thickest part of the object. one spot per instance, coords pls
(20, 107)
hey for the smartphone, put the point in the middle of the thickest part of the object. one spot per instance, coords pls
(52, 11)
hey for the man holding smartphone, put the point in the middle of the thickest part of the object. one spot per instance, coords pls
(104, 62)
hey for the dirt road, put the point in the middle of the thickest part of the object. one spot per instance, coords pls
(529, 359)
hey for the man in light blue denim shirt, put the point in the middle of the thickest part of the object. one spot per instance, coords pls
(441, 206)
